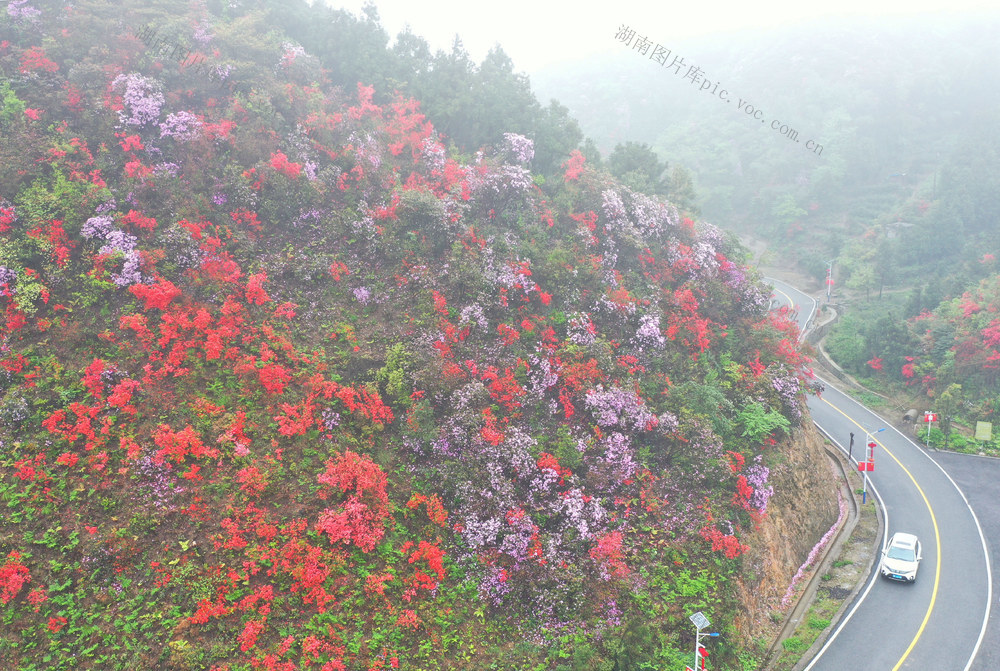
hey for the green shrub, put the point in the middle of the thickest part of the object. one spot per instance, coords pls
(794, 644)
(818, 623)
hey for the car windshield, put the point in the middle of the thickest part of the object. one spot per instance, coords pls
(903, 554)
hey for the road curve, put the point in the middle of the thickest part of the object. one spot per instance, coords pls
(939, 621)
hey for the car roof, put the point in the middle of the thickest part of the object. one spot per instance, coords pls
(901, 538)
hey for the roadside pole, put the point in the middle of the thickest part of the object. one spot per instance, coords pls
(929, 418)
(700, 622)
(869, 463)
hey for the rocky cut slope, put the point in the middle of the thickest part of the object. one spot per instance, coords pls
(289, 381)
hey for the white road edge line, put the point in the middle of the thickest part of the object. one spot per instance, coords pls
(874, 578)
(986, 553)
(979, 528)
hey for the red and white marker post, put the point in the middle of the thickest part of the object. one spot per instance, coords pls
(929, 418)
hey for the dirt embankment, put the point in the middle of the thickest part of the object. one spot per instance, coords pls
(803, 508)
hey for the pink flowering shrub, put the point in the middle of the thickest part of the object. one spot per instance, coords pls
(361, 517)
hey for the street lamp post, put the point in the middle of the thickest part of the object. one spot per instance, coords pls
(700, 622)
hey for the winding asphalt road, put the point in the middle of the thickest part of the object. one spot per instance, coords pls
(940, 621)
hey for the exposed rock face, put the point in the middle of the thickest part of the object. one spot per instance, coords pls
(803, 508)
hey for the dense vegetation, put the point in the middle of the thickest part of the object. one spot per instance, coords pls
(289, 378)
(472, 104)
(945, 360)
(903, 199)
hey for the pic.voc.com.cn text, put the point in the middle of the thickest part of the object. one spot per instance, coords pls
(675, 62)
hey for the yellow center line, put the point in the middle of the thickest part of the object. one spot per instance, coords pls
(937, 538)
(791, 303)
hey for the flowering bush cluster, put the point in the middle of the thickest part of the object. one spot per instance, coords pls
(950, 356)
(183, 126)
(21, 12)
(320, 391)
(141, 97)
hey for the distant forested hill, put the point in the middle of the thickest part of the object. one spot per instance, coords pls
(905, 111)
(903, 199)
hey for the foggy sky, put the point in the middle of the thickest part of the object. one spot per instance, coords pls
(537, 33)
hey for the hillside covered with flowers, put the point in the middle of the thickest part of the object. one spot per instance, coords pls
(290, 380)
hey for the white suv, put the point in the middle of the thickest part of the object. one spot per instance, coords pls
(901, 557)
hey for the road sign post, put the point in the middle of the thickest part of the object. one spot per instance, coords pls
(929, 418)
(869, 463)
